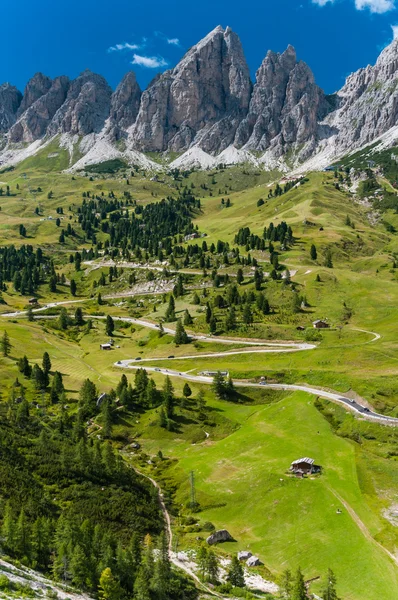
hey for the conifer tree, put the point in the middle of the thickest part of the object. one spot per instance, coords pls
(180, 334)
(235, 574)
(5, 344)
(329, 592)
(109, 587)
(46, 363)
(170, 311)
(313, 252)
(110, 326)
(299, 591)
(168, 398)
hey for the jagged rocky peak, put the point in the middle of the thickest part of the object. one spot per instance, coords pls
(10, 100)
(285, 106)
(34, 121)
(36, 87)
(210, 84)
(367, 105)
(86, 107)
(125, 104)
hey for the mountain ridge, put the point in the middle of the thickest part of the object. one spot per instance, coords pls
(204, 108)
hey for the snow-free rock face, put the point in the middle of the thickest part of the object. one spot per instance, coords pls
(285, 106)
(34, 120)
(125, 104)
(86, 107)
(10, 100)
(207, 109)
(201, 100)
(35, 88)
(367, 105)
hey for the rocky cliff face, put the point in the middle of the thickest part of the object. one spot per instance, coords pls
(10, 100)
(285, 106)
(201, 100)
(207, 104)
(367, 105)
(125, 104)
(34, 120)
(86, 107)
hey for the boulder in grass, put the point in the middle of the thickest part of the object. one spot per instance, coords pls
(244, 555)
(219, 536)
(253, 561)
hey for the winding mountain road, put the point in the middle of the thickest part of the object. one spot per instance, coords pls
(254, 347)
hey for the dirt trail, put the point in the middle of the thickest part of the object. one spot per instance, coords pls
(361, 524)
(172, 555)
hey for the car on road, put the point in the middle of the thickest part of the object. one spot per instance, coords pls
(157, 369)
(138, 358)
(366, 410)
(171, 356)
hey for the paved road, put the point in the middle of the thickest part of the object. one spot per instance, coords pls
(352, 405)
(256, 346)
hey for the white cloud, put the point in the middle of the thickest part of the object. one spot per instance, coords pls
(125, 46)
(375, 6)
(395, 31)
(173, 41)
(150, 62)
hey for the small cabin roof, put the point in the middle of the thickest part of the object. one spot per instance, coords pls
(309, 461)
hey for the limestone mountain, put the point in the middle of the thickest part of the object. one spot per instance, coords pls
(207, 110)
(201, 101)
(10, 100)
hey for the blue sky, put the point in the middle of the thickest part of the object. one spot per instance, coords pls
(335, 37)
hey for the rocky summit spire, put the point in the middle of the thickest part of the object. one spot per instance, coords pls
(10, 100)
(125, 104)
(209, 85)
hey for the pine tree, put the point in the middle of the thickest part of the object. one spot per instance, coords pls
(180, 334)
(110, 326)
(30, 314)
(79, 317)
(313, 252)
(187, 392)
(109, 588)
(329, 592)
(219, 386)
(286, 585)
(79, 567)
(5, 344)
(73, 287)
(8, 532)
(106, 419)
(235, 574)
(239, 276)
(22, 536)
(187, 318)
(299, 591)
(162, 570)
(170, 311)
(230, 319)
(63, 320)
(168, 398)
(328, 259)
(212, 567)
(46, 363)
(141, 585)
(247, 315)
(213, 325)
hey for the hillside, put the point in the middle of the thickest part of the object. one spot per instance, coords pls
(180, 276)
